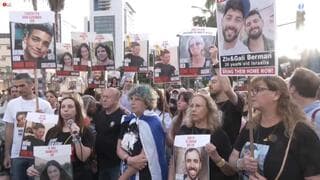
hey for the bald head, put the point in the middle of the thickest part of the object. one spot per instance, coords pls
(110, 99)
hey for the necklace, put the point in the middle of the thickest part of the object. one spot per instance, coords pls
(271, 137)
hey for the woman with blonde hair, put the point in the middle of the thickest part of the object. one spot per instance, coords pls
(286, 147)
(203, 118)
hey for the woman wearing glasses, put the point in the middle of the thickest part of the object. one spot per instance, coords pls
(278, 125)
(196, 50)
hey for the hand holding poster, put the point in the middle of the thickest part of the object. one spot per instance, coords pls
(50, 159)
(246, 37)
(37, 125)
(190, 158)
(32, 40)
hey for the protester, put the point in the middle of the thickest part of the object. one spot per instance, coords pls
(303, 87)
(281, 134)
(71, 130)
(124, 99)
(230, 103)
(162, 109)
(13, 138)
(141, 143)
(108, 123)
(180, 119)
(37, 41)
(203, 118)
(257, 41)
(52, 98)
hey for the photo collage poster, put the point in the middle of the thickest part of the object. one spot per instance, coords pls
(194, 52)
(190, 158)
(53, 158)
(65, 60)
(32, 40)
(136, 53)
(247, 37)
(36, 128)
(113, 79)
(102, 52)
(166, 66)
(81, 51)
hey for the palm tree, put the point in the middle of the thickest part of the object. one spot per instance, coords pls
(211, 20)
(56, 6)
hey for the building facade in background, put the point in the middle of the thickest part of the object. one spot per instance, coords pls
(114, 17)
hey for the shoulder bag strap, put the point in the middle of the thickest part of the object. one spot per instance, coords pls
(286, 154)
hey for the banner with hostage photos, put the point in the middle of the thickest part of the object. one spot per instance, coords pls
(36, 128)
(102, 52)
(246, 37)
(81, 51)
(65, 60)
(166, 68)
(190, 158)
(32, 40)
(136, 53)
(194, 51)
(114, 79)
(55, 158)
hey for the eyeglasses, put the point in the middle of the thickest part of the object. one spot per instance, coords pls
(256, 90)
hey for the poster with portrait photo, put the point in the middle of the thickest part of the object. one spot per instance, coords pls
(65, 60)
(32, 40)
(102, 52)
(260, 153)
(49, 159)
(136, 53)
(194, 55)
(166, 68)
(246, 37)
(97, 79)
(190, 158)
(80, 42)
(36, 128)
(113, 79)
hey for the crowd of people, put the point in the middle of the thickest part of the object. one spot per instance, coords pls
(129, 132)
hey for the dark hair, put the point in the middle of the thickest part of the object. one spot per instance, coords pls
(306, 82)
(79, 50)
(63, 173)
(108, 50)
(134, 44)
(38, 125)
(234, 5)
(161, 104)
(190, 150)
(65, 54)
(253, 12)
(53, 93)
(187, 96)
(46, 27)
(24, 76)
(164, 51)
(78, 118)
